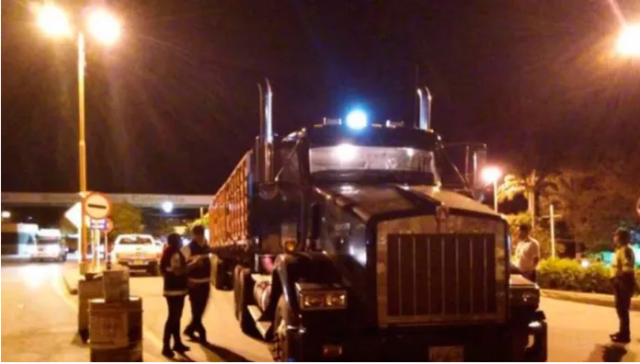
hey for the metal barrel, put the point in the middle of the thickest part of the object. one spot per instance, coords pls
(116, 285)
(115, 329)
(89, 288)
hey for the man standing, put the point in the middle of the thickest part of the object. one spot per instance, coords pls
(623, 283)
(527, 253)
(197, 252)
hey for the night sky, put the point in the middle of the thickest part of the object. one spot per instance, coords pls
(173, 106)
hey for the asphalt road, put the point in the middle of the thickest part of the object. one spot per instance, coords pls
(39, 323)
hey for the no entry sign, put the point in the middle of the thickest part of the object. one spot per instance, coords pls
(97, 206)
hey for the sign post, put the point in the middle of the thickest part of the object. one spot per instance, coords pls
(98, 207)
(553, 231)
(108, 228)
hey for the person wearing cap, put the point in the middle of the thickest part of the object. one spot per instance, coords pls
(198, 280)
(527, 253)
(623, 282)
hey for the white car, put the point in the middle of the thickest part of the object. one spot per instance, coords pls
(137, 251)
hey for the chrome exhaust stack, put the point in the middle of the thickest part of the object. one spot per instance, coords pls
(424, 118)
(264, 144)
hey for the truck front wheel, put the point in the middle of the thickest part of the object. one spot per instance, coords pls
(281, 345)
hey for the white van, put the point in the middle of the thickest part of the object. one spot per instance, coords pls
(137, 251)
(49, 245)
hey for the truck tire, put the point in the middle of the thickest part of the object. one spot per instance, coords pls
(280, 344)
(236, 291)
(221, 275)
(245, 290)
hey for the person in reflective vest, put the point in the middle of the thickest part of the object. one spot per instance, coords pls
(198, 280)
(623, 282)
(173, 266)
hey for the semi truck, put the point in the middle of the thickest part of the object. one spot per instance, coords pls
(343, 241)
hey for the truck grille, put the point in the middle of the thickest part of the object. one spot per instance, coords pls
(438, 278)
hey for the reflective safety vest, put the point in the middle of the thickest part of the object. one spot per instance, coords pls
(200, 274)
(624, 261)
(175, 275)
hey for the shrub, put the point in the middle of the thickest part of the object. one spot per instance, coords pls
(567, 274)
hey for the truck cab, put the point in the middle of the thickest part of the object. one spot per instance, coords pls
(347, 245)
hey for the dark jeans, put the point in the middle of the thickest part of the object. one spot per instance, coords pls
(172, 326)
(198, 296)
(623, 292)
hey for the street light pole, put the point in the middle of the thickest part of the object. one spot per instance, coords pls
(495, 195)
(82, 154)
(105, 28)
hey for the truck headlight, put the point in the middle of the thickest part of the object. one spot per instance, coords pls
(323, 300)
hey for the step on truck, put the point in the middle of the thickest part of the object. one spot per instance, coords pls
(358, 241)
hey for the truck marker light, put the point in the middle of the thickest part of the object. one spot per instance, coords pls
(290, 246)
(331, 351)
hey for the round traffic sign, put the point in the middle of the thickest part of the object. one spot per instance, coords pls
(97, 205)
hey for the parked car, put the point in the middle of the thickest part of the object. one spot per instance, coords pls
(138, 252)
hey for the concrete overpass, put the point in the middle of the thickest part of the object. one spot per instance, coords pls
(139, 200)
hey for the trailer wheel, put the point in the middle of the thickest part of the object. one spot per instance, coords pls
(280, 345)
(245, 290)
(236, 290)
(222, 275)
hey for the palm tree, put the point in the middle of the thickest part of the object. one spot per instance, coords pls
(531, 185)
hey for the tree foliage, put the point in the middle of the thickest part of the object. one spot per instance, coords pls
(594, 204)
(532, 185)
(204, 221)
(160, 225)
(127, 219)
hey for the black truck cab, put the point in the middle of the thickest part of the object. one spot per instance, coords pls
(354, 249)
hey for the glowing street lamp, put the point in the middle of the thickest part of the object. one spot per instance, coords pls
(629, 41)
(492, 175)
(104, 26)
(167, 206)
(6, 214)
(53, 21)
(106, 29)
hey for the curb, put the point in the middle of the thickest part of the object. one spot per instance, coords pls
(587, 298)
(73, 290)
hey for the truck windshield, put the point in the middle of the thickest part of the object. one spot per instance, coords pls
(349, 161)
